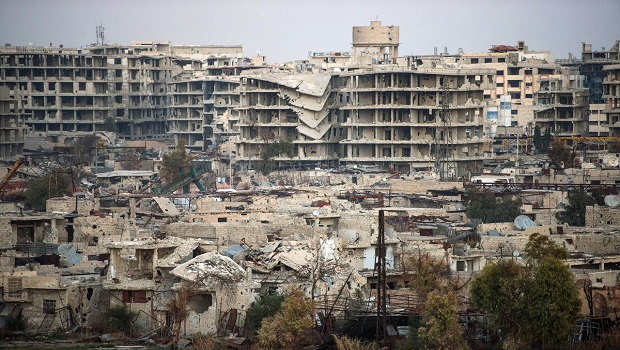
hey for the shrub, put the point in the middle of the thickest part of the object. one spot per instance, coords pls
(119, 318)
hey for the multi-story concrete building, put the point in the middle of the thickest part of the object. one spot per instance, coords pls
(71, 90)
(136, 90)
(12, 127)
(186, 112)
(221, 119)
(289, 106)
(561, 109)
(393, 117)
(597, 121)
(590, 67)
(611, 92)
(202, 98)
(518, 75)
(203, 111)
(406, 118)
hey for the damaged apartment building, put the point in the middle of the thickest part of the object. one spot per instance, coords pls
(382, 114)
(611, 92)
(407, 113)
(203, 97)
(145, 90)
(12, 127)
(520, 74)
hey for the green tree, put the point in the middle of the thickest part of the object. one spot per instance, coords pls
(431, 279)
(173, 162)
(547, 138)
(291, 327)
(55, 183)
(266, 163)
(561, 156)
(265, 306)
(440, 324)
(574, 212)
(498, 290)
(552, 304)
(539, 246)
(119, 318)
(534, 305)
(428, 273)
(538, 140)
(484, 206)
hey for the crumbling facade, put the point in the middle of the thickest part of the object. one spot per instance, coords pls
(384, 117)
(122, 88)
(561, 109)
(611, 92)
(186, 113)
(401, 118)
(294, 107)
(12, 127)
(375, 44)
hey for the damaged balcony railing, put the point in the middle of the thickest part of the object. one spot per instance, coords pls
(36, 248)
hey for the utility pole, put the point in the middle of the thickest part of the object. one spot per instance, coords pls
(517, 162)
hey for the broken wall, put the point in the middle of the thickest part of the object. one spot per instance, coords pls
(602, 216)
(597, 243)
(68, 205)
(88, 303)
(97, 230)
(202, 230)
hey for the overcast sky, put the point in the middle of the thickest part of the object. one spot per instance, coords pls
(285, 30)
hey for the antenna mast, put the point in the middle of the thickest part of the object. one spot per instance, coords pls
(444, 143)
(100, 35)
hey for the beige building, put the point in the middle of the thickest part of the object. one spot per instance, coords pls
(375, 44)
(203, 96)
(611, 92)
(186, 113)
(386, 117)
(598, 120)
(561, 109)
(135, 90)
(519, 72)
(406, 118)
(12, 128)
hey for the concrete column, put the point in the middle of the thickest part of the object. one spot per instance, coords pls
(132, 208)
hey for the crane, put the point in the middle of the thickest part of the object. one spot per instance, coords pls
(11, 172)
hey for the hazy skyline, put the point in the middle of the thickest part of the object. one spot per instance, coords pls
(286, 30)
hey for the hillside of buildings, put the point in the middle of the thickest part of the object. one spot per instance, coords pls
(159, 195)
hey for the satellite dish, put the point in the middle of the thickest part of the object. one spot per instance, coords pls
(522, 222)
(69, 253)
(516, 253)
(612, 201)
(64, 249)
(316, 213)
